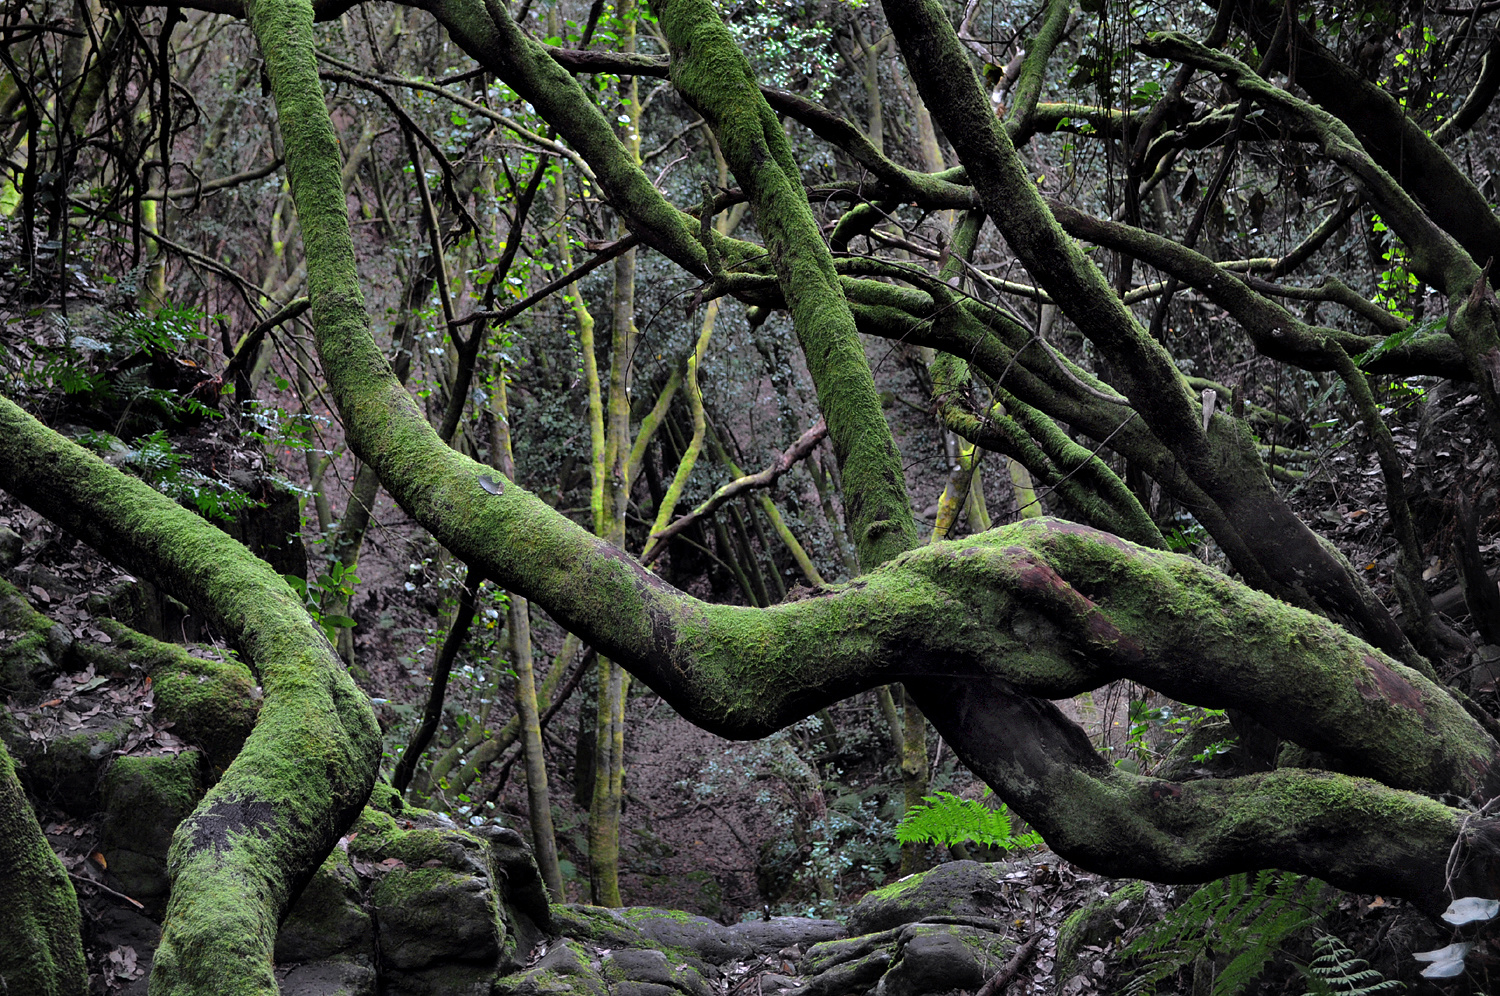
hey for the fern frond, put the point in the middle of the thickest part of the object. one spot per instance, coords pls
(1248, 919)
(946, 819)
(1336, 972)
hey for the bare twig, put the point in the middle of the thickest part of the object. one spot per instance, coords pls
(762, 479)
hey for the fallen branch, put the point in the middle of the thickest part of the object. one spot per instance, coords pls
(1002, 978)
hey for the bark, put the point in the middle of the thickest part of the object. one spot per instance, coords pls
(539, 803)
(40, 951)
(713, 77)
(432, 715)
(1220, 457)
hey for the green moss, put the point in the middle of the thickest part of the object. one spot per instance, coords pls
(386, 799)
(144, 799)
(1094, 924)
(210, 702)
(40, 952)
(896, 888)
(32, 652)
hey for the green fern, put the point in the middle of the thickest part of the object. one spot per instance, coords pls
(1245, 918)
(946, 819)
(1336, 972)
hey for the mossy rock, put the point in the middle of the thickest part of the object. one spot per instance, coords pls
(956, 889)
(603, 927)
(767, 937)
(567, 969)
(1096, 925)
(64, 771)
(143, 800)
(655, 968)
(706, 939)
(528, 909)
(211, 703)
(384, 798)
(935, 958)
(32, 647)
(436, 903)
(329, 919)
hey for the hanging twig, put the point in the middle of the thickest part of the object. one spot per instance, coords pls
(763, 479)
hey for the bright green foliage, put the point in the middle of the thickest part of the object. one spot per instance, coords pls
(1246, 919)
(153, 459)
(335, 583)
(946, 819)
(1336, 972)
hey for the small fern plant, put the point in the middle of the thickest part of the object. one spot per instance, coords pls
(945, 819)
(1336, 972)
(1246, 919)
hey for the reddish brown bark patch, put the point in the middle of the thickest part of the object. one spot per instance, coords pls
(1040, 580)
(1390, 686)
(1164, 790)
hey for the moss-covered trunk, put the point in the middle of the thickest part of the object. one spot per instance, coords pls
(40, 950)
(305, 770)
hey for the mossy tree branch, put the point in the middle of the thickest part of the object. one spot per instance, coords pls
(1220, 457)
(40, 950)
(1041, 608)
(712, 75)
(305, 770)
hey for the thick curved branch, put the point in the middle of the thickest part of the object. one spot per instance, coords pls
(1220, 457)
(714, 78)
(1048, 607)
(1355, 833)
(307, 767)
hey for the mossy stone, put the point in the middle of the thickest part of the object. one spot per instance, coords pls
(567, 969)
(711, 941)
(32, 647)
(1094, 926)
(144, 798)
(604, 927)
(933, 958)
(211, 703)
(959, 888)
(65, 771)
(329, 919)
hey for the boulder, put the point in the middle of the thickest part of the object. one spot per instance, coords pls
(329, 919)
(440, 928)
(957, 889)
(528, 911)
(144, 798)
(605, 928)
(1097, 925)
(565, 970)
(32, 647)
(713, 942)
(11, 546)
(653, 968)
(937, 958)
